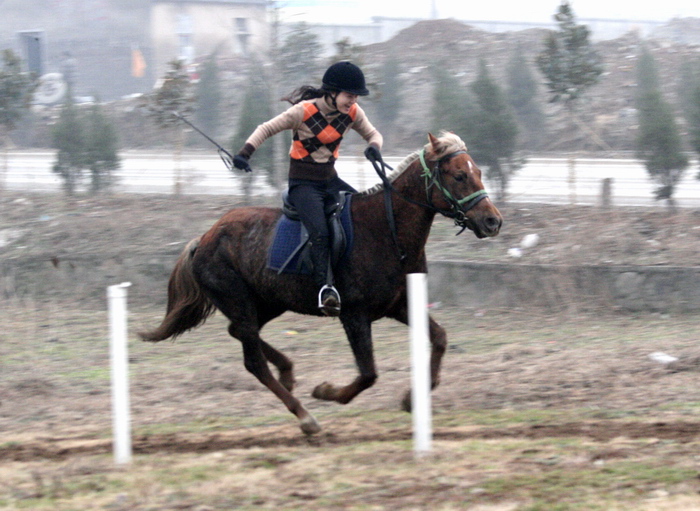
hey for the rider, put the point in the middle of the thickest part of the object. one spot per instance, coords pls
(318, 119)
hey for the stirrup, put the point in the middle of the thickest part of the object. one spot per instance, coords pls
(330, 292)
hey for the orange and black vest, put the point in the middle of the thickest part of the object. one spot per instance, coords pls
(325, 134)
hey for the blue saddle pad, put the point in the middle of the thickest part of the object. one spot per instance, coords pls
(290, 242)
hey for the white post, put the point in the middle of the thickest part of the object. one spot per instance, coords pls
(121, 420)
(420, 363)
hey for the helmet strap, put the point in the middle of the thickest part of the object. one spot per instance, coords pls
(333, 101)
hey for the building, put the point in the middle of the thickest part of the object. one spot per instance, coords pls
(188, 29)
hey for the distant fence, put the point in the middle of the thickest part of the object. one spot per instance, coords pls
(541, 180)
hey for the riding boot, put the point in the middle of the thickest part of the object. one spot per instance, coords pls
(328, 297)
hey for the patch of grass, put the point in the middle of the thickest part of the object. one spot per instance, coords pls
(574, 489)
(188, 475)
(212, 424)
(87, 375)
(499, 418)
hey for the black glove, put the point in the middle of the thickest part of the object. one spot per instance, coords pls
(241, 162)
(373, 154)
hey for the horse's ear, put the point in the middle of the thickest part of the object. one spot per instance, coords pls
(435, 143)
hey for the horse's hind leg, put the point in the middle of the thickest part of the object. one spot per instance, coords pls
(438, 346)
(255, 351)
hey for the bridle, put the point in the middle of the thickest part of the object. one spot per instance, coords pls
(433, 178)
(458, 207)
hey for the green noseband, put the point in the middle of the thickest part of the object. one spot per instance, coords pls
(431, 179)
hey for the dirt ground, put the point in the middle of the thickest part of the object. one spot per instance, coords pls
(540, 394)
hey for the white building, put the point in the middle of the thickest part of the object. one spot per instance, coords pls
(187, 29)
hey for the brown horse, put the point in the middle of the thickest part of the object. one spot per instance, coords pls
(225, 269)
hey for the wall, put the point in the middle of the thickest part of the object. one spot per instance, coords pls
(455, 283)
(627, 288)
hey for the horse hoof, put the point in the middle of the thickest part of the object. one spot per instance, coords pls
(323, 391)
(310, 425)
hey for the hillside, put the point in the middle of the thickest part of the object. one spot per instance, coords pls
(607, 109)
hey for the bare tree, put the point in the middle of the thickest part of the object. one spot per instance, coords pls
(173, 94)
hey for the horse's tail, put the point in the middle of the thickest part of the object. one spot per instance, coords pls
(188, 306)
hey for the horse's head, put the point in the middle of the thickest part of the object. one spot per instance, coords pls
(455, 187)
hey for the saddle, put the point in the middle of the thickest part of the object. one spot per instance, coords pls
(289, 251)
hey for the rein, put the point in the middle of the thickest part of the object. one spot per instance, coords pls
(432, 178)
(388, 206)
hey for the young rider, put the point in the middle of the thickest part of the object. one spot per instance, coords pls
(318, 119)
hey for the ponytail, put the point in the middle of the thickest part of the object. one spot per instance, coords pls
(303, 93)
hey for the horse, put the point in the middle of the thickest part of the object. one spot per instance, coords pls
(225, 269)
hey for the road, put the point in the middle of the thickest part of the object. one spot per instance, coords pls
(542, 180)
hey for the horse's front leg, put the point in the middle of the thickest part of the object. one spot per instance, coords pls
(438, 346)
(359, 332)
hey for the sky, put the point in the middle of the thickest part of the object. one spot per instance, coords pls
(538, 11)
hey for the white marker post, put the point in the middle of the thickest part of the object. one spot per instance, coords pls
(121, 420)
(420, 363)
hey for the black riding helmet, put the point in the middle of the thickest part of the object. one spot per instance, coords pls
(345, 77)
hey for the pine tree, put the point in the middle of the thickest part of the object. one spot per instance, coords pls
(658, 142)
(209, 97)
(689, 95)
(693, 118)
(299, 61)
(16, 89)
(570, 65)
(522, 96)
(101, 148)
(492, 130)
(255, 110)
(389, 98)
(689, 78)
(68, 139)
(450, 103)
(569, 62)
(345, 49)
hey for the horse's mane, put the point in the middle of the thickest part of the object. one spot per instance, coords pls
(449, 143)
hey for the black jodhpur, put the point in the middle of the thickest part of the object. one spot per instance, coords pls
(310, 199)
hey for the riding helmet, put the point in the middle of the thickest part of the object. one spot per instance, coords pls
(345, 77)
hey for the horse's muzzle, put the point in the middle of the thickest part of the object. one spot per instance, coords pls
(486, 223)
(489, 226)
